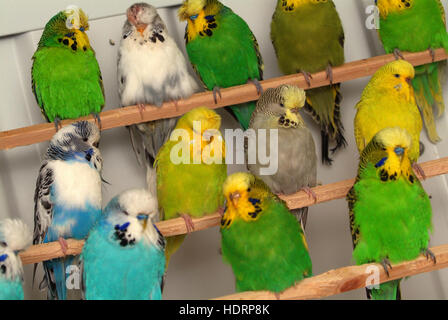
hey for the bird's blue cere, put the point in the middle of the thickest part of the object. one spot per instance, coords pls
(3, 257)
(194, 17)
(399, 151)
(82, 29)
(142, 217)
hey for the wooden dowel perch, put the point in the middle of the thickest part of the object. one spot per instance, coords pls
(177, 226)
(348, 278)
(131, 115)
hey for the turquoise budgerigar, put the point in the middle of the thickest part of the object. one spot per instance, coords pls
(124, 255)
(67, 197)
(223, 50)
(66, 77)
(418, 25)
(15, 236)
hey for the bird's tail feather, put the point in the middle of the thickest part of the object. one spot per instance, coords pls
(56, 279)
(429, 96)
(324, 106)
(387, 291)
(151, 179)
(147, 139)
(242, 113)
(172, 245)
(301, 216)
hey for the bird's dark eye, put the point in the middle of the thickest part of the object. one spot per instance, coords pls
(282, 105)
(396, 75)
(96, 144)
(85, 139)
(249, 189)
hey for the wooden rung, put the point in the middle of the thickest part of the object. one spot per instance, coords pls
(177, 226)
(131, 115)
(349, 278)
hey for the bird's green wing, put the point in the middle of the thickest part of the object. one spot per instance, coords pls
(442, 11)
(67, 84)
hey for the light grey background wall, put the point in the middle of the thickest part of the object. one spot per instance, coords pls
(197, 270)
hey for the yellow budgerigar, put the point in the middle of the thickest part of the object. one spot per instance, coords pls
(388, 101)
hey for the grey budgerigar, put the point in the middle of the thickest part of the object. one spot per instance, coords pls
(277, 109)
(151, 70)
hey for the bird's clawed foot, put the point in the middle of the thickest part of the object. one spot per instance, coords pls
(64, 245)
(216, 93)
(429, 255)
(432, 53)
(310, 193)
(257, 85)
(386, 265)
(308, 77)
(141, 108)
(221, 211)
(398, 55)
(329, 71)
(419, 170)
(97, 118)
(188, 222)
(176, 105)
(57, 123)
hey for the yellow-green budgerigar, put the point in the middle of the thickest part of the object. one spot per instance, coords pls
(390, 212)
(261, 239)
(388, 101)
(66, 77)
(308, 37)
(418, 25)
(191, 170)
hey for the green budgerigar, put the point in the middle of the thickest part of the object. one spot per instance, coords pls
(390, 212)
(308, 37)
(223, 50)
(261, 239)
(191, 170)
(66, 78)
(418, 25)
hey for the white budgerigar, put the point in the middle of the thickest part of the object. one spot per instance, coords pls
(15, 236)
(68, 197)
(151, 70)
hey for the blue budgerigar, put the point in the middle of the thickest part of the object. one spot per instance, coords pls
(151, 70)
(68, 197)
(14, 237)
(124, 255)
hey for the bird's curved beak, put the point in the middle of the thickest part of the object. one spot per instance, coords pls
(141, 28)
(235, 197)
